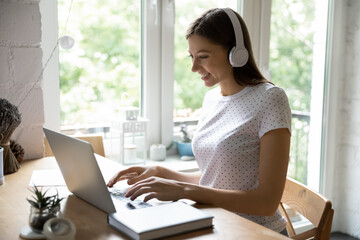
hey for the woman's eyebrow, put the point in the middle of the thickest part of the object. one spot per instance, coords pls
(201, 51)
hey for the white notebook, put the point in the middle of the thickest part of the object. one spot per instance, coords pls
(160, 221)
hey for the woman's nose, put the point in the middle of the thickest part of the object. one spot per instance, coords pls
(195, 66)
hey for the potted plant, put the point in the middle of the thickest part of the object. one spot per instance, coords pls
(184, 145)
(42, 208)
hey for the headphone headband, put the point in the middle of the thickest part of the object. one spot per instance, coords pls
(238, 56)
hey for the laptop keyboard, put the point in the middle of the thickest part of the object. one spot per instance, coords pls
(121, 202)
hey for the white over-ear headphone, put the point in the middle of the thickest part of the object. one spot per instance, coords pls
(238, 55)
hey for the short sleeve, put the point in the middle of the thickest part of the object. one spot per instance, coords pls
(275, 111)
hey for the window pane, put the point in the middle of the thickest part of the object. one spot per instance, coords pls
(101, 72)
(296, 27)
(189, 89)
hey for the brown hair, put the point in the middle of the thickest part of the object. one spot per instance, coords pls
(216, 26)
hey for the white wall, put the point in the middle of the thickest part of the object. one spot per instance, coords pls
(346, 177)
(20, 68)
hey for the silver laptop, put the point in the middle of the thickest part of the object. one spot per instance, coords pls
(82, 174)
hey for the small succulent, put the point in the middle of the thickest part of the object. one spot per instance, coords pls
(41, 201)
(184, 137)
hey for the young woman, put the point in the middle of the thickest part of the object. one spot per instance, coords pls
(243, 137)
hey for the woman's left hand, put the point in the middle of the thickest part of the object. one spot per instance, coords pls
(159, 188)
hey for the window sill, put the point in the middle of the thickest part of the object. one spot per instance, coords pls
(302, 225)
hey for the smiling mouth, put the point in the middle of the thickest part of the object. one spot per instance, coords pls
(204, 76)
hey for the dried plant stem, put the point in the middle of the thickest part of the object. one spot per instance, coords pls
(10, 119)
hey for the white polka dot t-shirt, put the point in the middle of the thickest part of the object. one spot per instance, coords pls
(227, 141)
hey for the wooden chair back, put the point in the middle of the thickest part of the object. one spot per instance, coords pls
(96, 142)
(312, 205)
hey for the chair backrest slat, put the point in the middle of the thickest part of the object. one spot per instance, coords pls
(96, 142)
(309, 203)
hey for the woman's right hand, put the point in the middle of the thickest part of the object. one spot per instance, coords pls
(134, 174)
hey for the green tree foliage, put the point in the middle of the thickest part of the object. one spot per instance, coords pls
(189, 89)
(291, 54)
(187, 84)
(291, 47)
(104, 62)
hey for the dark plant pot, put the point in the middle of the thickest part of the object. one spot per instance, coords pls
(184, 148)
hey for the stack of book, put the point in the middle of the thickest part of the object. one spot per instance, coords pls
(160, 221)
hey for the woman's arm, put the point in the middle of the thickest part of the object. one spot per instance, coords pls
(139, 173)
(274, 157)
(193, 177)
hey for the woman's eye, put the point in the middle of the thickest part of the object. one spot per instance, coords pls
(203, 57)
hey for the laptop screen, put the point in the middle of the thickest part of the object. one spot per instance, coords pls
(80, 169)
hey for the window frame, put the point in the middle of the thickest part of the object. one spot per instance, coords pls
(332, 91)
(257, 14)
(158, 68)
(158, 64)
(51, 79)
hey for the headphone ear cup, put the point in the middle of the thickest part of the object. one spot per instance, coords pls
(238, 57)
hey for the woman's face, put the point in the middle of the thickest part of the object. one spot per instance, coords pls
(210, 61)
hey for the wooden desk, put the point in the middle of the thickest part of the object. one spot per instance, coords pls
(91, 222)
